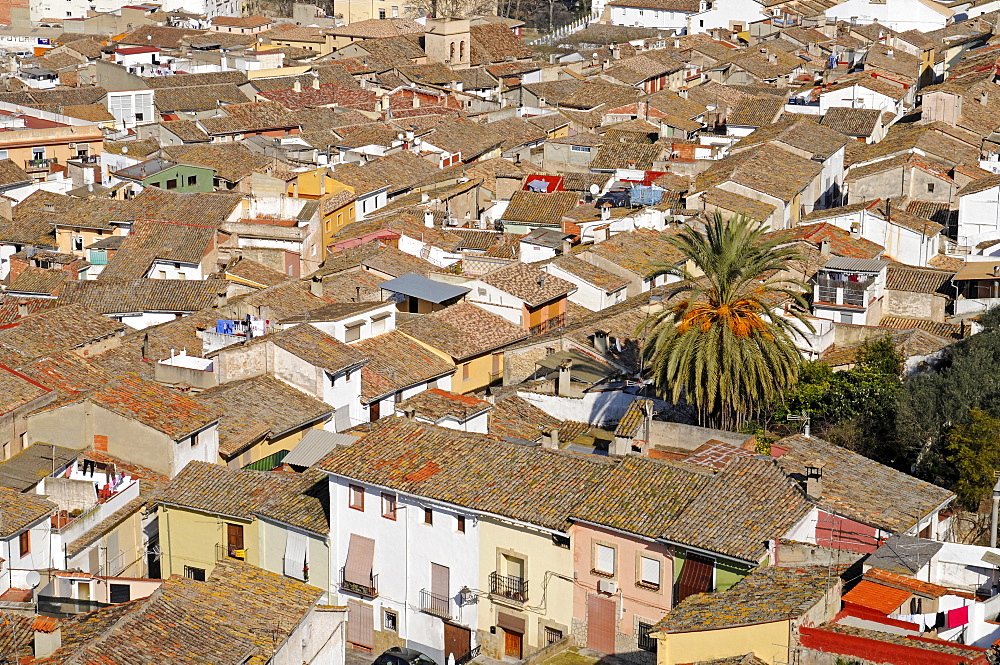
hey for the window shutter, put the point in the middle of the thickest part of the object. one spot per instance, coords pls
(295, 555)
(605, 559)
(650, 573)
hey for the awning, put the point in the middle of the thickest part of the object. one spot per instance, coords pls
(417, 286)
(585, 368)
(510, 623)
(360, 555)
(295, 555)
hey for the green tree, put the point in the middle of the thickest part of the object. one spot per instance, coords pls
(719, 343)
(974, 450)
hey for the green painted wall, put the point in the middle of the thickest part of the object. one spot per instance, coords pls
(182, 173)
(727, 571)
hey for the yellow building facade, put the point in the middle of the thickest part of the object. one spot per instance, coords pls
(769, 641)
(529, 574)
(193, 542)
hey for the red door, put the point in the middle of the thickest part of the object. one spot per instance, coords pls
(601, 619)
(512, 644)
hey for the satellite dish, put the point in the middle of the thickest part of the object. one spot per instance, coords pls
(33, 578)
(594, 189)
(417, 142)
(125, 150)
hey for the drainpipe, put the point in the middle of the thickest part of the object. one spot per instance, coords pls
(996, 505)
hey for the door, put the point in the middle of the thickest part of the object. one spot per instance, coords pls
(457, 641)
(234, 539)
(120, 593)
(360, 626)
(373, 411)
(440, 585)
(512, 644)
(601, 613)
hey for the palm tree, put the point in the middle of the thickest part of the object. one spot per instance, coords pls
(717, 342)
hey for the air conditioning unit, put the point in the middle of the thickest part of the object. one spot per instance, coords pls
(607, 586)
(72, 146)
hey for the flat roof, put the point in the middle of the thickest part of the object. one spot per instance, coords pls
(418, 286)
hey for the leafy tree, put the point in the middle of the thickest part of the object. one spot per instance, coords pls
(720, 345)
(974, 450)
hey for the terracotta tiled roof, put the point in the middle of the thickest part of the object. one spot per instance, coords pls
(197, 97)
(589, 273)
(159, 408)
(539, 208)
(397, 362)
(158, 36)
(11, 173)
(626, 155)
(53, 330)
(463, 331)
(946, 330)
(231, 161)
(143, 295)
(528, 283)
(874, 596)
(910, 584)
(742, 506)
(637, 251)
(800, 133)
(437, 405)
(861, 489)
(514, 417)
(853, 122)
(152, 240)
(251, 117)
(494, 42)
(768, 594)
(738, 204)
(841, 242)
(219, 490)
(317, 348)
(901, 277)
(38, 281)
(22, 510)
(258, 408)
(755, 112)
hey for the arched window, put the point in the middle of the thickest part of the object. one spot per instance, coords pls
(451, 51)
(461, 50)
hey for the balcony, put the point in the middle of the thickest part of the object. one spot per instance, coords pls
(507, 586)
(85, 159)
(439, 606)
(549, 324)
(41, 164)
(229, 551)
(370, 591)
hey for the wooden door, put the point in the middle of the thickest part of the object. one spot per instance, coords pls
(373, 411)
(512, 644)
(601, 614)
(234, 538)
(457, 641)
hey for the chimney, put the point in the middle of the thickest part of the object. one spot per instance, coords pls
(316, 287)
(567, 245)
(541, 280)
(48, 636)
(601, 341)
(565, 377)
(48, 207)
(296, 86)
(424, 197)
(772, 58)
(824, 247)
(384, 103)
(996, 273)
(315, 83)
(814, 479)
(409, 413)
(429, 219)
(889, 52)
(605, 212)
(984, 97)
(416, 101)
(550, 440)
(855, 231)
(221, 299)
(22, 306)
(145, 346)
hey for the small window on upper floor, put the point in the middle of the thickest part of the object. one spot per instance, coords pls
(428, 516)
(389, 506)
(357, 499)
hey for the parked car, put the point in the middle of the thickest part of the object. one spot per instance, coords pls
(403, 656)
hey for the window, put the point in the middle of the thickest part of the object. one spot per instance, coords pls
(24, 543)
(357, 497)
(604, 559)
(192, 181)
(234, 541)
(395, 12)
(77, 243)
(930, 188)
(646, 643)
(194, 573)
(381, 14)
(352, 333)
(172, 183)
(552, 635)
(390, 620)
(465, 371)
(460, 523)
(428, 516)
(389, 506)
(579, 148)
(3, 154)
(328, 226)
(139, 117)
(378, 325)
(649, 572)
